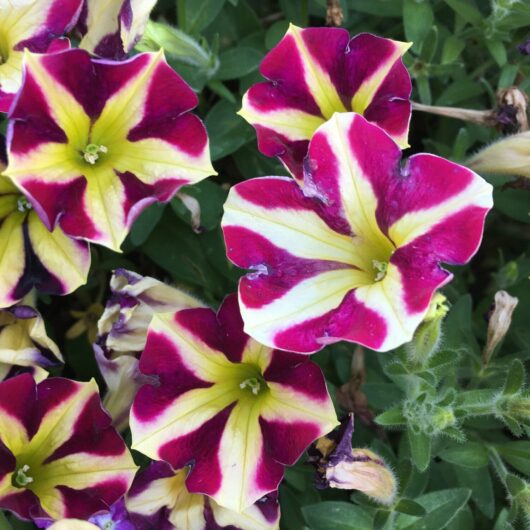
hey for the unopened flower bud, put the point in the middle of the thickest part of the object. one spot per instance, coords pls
(427, 337)
(509, 156)
(343, 467)
(499, 322)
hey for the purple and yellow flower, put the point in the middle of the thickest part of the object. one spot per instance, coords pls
(235, 409)
(313, 73)
(59, 455)
(160, 499)
(24, 344)
(93, 142)
(31, 256)
(111, 28)
(122, 332)
(30, 25)
(354, 255)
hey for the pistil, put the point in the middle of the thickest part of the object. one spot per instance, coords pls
(22, 479)
(253, 384)
(92, 152)
(381, 268)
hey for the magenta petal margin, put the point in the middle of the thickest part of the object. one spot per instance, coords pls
(313, 73)
(355, 255)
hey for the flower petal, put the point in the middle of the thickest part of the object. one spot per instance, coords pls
(111, 29)
(327, 73)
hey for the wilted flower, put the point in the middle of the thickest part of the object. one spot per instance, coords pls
(32, 256)
(24, 344)
(35, 26)
(94, 142)
(122, 332)
(111, 28)
(354, 255)
(159, 496)
(508, 156)
(315, 72)
(236, 409)
(340, 466)
(60, 457)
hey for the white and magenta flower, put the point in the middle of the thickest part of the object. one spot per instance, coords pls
(122, 332)
(31, 256)
(24, 344)
(354, 255)
(235, 409)
(59, 455)
(93, 142)
(31, 25)
(159, 499)
(111, 28)
(313, 73)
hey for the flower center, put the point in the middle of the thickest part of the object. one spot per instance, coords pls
(23, 205)
(380, 268)
(21, 478)
(253, 384)
(92, 152)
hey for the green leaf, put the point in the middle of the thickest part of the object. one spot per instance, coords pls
(275, 33)
(222, 91)
(514, 203)
(459, 91)
(227, 131)
(410, 507)
(417, 19)
(380, 8)
(237, 62)
(295, 12)
(146, 223)
(420, 449)
(4, 524)
(382, 520)
(442, 506)
(514, 484)
(515, 379)
(335, 515)
(392, 417)
(517, 454)
(198, 15)
(429, 45)
(498, 51)
(424, 89)
(467, 10)
(452, 48)
(469, 454)
(481, 486)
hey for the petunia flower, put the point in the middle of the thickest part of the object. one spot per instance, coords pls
(73, 524)
(32, 25)
(237, 410)
(159, 499)
(24, 343)
(313, 73)
(122, 332)
(111, 28)
(33, 257)
(343, 467)
(59, 456)
(354, 255)
(93, 142)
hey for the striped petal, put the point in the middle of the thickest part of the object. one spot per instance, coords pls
(24, 343)
(70, 463)
(313, 73)
(159, 495)
(35, 26)
(93, 142)
(239, 411)
(110, 29)
(355, 254)
(33, 257)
